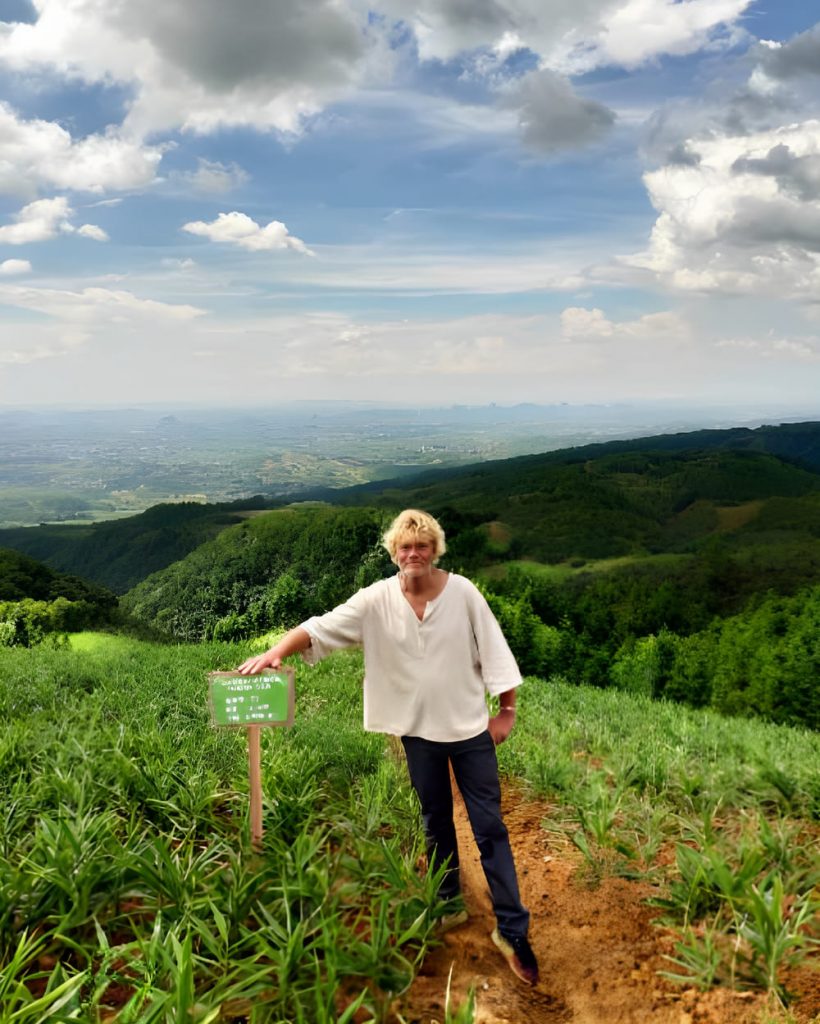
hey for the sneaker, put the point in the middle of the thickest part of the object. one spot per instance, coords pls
(448, 922)
(519, 955)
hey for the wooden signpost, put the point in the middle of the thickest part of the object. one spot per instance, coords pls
(250, 702)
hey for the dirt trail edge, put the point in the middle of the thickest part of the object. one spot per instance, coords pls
(598, 950)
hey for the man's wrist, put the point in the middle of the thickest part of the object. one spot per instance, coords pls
(507, 707)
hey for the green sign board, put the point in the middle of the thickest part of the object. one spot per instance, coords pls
(265, 699)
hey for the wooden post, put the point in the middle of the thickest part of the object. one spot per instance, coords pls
(249, 702)
(255, 776)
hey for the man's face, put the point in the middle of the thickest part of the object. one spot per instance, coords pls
(414, 556)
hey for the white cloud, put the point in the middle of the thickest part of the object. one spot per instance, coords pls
(44, 344)
(45, 219)
(570, 35)
(198, 64)
(239, 229)
(534, 350)
(577, 322)
(641, 30)
(402, 269)
(801, 349)
(132, 349)
(745, 344)
(743, 217)
(798, 348)
(336, 347)
(180, 265)
(581, 324)
(94, 232)
(95, 306)
(11, 268)
(37, 154)
(39, 221)
(70, 321)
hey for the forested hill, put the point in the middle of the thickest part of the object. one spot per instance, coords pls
(756, 510)
(23, 577)
(648, 494)
(629, 503)
(692, 574)
(795, 443)
(36, 601)
(120, 553)
(672, 574)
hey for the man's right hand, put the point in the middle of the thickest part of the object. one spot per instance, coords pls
(294, 641)
(253, 666)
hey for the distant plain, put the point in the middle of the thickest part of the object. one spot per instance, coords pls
(88, 465)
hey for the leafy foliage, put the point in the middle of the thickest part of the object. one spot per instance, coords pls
(21, 576)
(273, 570)
(35, 601)
(128, 885)
(120, 553)
(125, 857)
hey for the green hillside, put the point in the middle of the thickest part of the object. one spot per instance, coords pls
(634, 503)
(641, 546)
(595, 501)
(130, 890)
(24, 577)
(601, 569)
(270, 570)
(119, 553)
(741, 523)
(36, 601)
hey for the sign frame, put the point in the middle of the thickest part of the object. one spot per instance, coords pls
(254, 687)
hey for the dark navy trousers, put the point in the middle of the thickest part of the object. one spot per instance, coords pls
(475, 768)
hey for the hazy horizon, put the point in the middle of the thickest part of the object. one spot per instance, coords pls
(743, 410)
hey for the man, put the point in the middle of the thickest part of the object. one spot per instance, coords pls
(432, 651)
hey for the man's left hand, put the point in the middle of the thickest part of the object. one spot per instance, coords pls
(500, 726)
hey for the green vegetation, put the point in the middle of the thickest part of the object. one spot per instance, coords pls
(648, 495)
(765, 662)
(270, 571)
(22, 577)
(635, 503)
(36, 602)
(635, 778)
(127, 879)
(129, 885)
(118, 554)
(651, 631)
(663, 578)
(656, 570)
(683, 624)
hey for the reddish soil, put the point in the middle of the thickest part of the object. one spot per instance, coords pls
(598, 950)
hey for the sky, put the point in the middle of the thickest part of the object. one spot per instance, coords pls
(415, 201)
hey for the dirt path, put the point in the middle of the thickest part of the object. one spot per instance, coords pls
(597, 948)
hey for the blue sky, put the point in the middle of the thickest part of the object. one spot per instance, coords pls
(427, 201)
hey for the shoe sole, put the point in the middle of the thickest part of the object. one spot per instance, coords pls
(510, 956)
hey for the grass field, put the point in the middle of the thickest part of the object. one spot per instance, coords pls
(129, 889)
(563, 570)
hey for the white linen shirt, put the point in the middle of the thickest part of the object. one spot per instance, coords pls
(425, 677)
